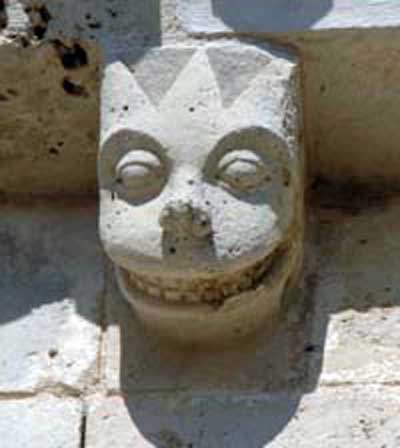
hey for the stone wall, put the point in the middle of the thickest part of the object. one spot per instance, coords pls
(76, 369)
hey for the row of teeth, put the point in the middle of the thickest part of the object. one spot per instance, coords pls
(209, 291)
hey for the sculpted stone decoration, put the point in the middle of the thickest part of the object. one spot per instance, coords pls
(201, 187)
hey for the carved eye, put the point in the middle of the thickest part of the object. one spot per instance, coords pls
(242, 170)
(140, 174)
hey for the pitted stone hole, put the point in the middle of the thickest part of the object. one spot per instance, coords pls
(71, 57)
(3, 15)
(172, 250)
(54, 151)
(39, 17)
(53, 353)
(95, 25)
(112, 13)
(191, 109)
(363, 241)
(3, 98)
(190, 182)
(310, 348)
(39, 31)
(44, 14)
(322, 88)
(24, 42)
(92, 23)
(126, 108)
(74, 89)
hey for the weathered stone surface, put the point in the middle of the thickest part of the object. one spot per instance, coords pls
(347, 332)
(92, 19)
(352, 97)
(48, 115)
(201, 179)
(40, 422)
(356, 329)
(136, 361)
(207, 16)
(347, 417)
(51, 283)
(345, 139)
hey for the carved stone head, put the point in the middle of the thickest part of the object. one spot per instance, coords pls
(201, 187)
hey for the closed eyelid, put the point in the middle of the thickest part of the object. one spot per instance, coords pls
(241, 156)
(140, 157)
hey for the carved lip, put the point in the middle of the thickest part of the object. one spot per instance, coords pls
(214, 292)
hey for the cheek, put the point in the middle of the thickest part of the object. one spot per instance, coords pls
(130, 231)
(253, 226)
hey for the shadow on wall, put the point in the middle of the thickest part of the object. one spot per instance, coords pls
(244, 396)
(270, 15)
(351, 246)
(49, 252)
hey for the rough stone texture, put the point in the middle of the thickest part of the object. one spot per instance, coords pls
(331, 418)
(352, 105)
(91, 19)
(341, 102)
(356, 322)
(40, 422)
(197, 142)
(340, 345)
(50, 289)
(55, 147)
(135, 361)
(345, 332)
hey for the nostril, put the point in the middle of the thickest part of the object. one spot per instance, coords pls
(201, 226)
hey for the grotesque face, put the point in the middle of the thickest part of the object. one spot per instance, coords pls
(200, 175)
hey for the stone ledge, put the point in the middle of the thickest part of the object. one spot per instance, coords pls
(366, 418)
(52, 279)
(255, 16)
(40, 422)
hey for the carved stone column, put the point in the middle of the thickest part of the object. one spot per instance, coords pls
(201, 186)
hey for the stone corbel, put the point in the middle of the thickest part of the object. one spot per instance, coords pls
(201, 174)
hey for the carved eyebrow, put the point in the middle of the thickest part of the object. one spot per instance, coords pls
(128, 137)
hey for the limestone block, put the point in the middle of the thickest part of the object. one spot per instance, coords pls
(40, 422)
(50, 288)
(366, 418)
(48, 113)
(352, 100)
(356, 325)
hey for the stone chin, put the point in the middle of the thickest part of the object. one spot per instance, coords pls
(215, 311)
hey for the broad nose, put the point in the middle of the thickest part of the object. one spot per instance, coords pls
(182, 217)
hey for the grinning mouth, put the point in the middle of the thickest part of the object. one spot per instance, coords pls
(213, 291)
